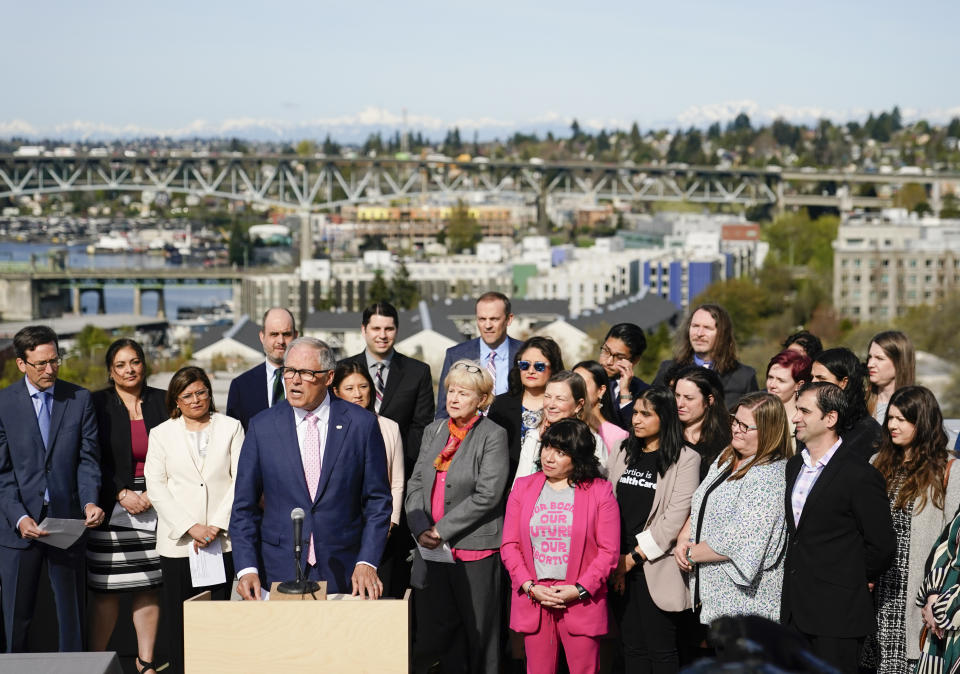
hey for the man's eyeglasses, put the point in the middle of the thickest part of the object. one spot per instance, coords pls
(305, 375)
(607, 353)
(472, 369)
(42, 365)
(539, 365)
(201, 394)
(738, 425)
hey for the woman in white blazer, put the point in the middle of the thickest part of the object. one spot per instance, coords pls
(190, 472)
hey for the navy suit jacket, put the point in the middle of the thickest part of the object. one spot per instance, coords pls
(248, 395)
(469, 350)
(407, 399)
(350, 516)
(625, 412)
(69, 466)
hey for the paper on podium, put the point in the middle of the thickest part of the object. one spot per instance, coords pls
(206, 565)
(145, 521)
(63, 533)
(442, 554)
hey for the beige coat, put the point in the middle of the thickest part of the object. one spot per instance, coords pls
(394, 445)
(187, 490)
(671, 507)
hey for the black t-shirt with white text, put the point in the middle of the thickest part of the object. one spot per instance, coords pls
(635, 491)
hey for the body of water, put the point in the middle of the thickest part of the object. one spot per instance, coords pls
(118, 298)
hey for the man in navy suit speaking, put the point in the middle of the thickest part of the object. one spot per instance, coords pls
(49, 467)
(324, 455)
(261, 387)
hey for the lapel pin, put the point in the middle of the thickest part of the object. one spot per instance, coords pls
(339, 427)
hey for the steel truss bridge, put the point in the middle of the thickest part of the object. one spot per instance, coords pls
(322, 184)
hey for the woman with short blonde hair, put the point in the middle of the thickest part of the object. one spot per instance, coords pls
(455, 501)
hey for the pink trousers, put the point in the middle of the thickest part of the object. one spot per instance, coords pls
(543, 646)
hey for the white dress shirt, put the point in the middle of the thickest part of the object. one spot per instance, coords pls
(271, 368)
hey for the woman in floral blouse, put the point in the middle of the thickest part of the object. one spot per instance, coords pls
(734, 541)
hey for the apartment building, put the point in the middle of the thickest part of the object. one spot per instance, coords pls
(885, 264)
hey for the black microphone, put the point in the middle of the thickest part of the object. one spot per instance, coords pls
(300, 585)
(297, 516)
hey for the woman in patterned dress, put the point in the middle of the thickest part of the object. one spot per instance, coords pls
(939, 595)
(123, 559)
(914, 460)
(735, 537)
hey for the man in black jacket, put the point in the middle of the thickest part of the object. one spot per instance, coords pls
(840, 529)
(403, 387)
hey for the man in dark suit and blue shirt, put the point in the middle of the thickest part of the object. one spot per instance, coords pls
(403, 388)
(493, 349)
(49, 467)
(324, 455)
(841, 534)
(260, 387)
(620, 353)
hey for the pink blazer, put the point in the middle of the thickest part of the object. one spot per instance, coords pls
(594, 553)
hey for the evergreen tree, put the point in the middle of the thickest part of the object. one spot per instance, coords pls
(462, 230)
(404, 291)
(239, 246)
(378, 290)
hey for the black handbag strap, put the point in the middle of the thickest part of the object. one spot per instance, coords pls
(703, 509)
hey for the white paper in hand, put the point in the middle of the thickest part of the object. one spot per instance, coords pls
(145, 521)
(442, 554)
(63, 533)
(206, 565)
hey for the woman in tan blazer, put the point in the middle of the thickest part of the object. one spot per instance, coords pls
(190, 472)
(654, 476)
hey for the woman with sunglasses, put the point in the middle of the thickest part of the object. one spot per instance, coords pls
(190, 472)
(455, 499)
(564, 398)
(521, 407)
(734, 540)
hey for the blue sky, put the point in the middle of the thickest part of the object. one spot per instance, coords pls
(208, 67)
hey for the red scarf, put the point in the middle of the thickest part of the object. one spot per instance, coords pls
(457, 434)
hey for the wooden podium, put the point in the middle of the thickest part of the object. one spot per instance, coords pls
(296, 634)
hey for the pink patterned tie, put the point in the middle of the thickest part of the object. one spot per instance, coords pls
(311, 467)
(492, 367)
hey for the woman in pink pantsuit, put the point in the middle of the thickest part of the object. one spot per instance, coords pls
(561, 541)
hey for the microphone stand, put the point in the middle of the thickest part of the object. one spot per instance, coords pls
(301, 585)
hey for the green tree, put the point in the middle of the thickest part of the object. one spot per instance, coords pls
(659, 348)
(239, 247)
(462, 230)
(306, 148)
(910, 196)
(378, 290)
(404, 290)
(796, 240)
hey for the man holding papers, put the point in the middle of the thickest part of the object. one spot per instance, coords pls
(49, 467)
(321, 454)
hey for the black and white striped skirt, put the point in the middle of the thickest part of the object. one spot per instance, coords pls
(122, 560)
